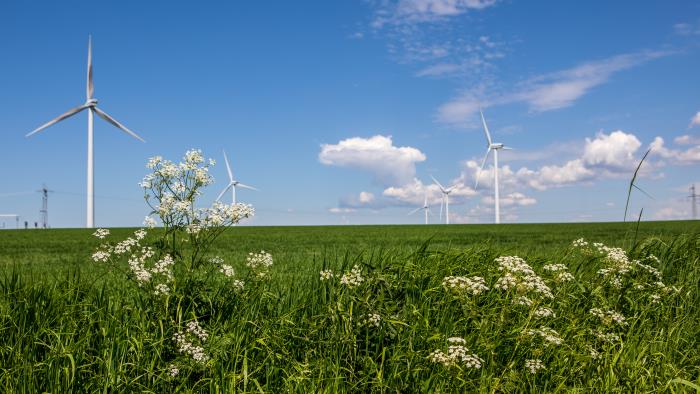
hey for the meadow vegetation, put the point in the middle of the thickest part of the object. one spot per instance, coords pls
(195, 305)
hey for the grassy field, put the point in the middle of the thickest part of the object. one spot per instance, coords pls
(66, 323)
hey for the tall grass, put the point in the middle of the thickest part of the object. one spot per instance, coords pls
(78, 329)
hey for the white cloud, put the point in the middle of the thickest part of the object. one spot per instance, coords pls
(605, 156)
(390, 165)
(673, 211)
(439, 70)
(695, 120)
(512, 199)
(548, 91)
(366, 197)
(417, 11)
(687, 139)
(613, 151)
(676, 156)
(341, 210)
(686, 29)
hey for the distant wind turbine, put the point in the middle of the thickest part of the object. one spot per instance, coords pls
(91, 106)
(495, 147)
(232, 183)
(445, 199)
(425, 208)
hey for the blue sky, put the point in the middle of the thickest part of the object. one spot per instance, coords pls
(340, 112)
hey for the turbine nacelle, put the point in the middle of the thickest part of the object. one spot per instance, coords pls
(92, 102)
(496, 146)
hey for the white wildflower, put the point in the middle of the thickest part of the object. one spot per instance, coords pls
(161, 289)
(173, 370)
(543, 312)
(101, 256)
(548, 335)
(373, 320)
(227, 270)
(101, 233)
(149, 222)
(353, 278)
(461, 284)
(327, 275)
(534, 365)
(554, 267)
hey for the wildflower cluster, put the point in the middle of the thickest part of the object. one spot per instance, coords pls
(548, 335)
(190, 341)
(457, 355)
(609, 317)
(560, 273)
(144, 267)
(352, 278)
(327, 275)
(259, 263)
(520, 277)
(171, 190)
(373, 320)
(462, 285)
(534, 365)
(620, 272)
(543, 312)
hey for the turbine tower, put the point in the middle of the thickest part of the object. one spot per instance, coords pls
(425, 208)
(44, 206)
(91, 106)
(232, 184)
(495, 147)
(445, 199)
(693, 199)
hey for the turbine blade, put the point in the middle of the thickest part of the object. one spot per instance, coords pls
(642, 190)
(415, 210)
(246, 187)
(228, 168)
(58, 119)
(90, 87)
(113, 121)
(486, 128)
(438, 183)
(483, 163)
(507, 148)
(224, 191)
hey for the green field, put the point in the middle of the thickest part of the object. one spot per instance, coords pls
(68, 324)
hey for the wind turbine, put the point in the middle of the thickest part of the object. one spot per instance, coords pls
(495, 147)
(232, 183)
(425, 208)
(91, 106)
(445, 198)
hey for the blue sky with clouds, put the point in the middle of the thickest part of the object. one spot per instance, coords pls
(340, 112)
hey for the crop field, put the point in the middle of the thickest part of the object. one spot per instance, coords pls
(364, 308)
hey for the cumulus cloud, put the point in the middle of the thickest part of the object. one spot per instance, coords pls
(687, 140)
(390, 165)
(614, 151)
(695, 120)
(415, 192)
(606, 155)
(676, 156)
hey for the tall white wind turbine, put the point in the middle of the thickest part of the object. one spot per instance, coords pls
(445, 198)
(91, 106)
(232, 184)
(425, 208)
(495, 147)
